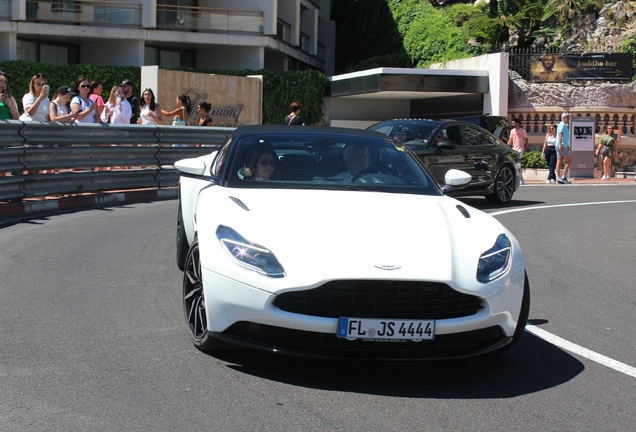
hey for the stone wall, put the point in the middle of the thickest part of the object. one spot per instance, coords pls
(523, 94)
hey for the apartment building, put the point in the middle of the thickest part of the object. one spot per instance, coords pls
(225, 34)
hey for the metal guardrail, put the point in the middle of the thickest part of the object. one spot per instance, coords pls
(40, 159)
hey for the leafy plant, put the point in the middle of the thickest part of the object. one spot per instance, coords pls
(533, 159)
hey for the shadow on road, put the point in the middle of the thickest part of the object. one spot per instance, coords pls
(532, 365)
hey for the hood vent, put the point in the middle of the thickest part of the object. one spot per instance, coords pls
(463, 211)
(240, 203)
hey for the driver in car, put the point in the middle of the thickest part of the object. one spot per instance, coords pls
(356, 158)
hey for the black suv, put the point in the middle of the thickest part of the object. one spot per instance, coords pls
(451, 144)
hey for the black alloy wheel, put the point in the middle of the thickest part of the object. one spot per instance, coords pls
(194, 302)
(504, 186)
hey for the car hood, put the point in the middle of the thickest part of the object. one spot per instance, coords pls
(326, 235)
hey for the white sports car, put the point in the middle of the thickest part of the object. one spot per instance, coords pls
(329, 242)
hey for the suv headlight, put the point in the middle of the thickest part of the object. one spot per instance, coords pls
(249, 255)
(495, 261)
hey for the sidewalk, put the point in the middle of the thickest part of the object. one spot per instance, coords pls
(583, 181)
(30, 207)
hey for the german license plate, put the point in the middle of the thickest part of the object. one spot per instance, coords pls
(365, 328)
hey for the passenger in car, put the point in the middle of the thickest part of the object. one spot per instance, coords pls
(356, 158)
(261, 164)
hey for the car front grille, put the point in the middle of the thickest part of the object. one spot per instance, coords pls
(381, 299)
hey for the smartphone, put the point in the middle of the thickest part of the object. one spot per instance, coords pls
(45, 89)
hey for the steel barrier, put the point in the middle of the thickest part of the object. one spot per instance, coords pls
(40, 158)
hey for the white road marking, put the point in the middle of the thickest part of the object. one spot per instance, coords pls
(515, 210)
(579, 350)
(558, 341)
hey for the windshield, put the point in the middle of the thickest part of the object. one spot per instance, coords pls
(408, 132)
(326, 161)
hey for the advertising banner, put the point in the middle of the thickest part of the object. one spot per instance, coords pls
(554, 68)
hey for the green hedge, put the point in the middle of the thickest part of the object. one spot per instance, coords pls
(279, 88)
(533, 159)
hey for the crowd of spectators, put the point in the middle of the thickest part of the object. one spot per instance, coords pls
(83, 103)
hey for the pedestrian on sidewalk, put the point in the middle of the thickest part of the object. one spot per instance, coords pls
(293, 118)
(549, 152)
(563, 149)
(518, 141)
(606, 151)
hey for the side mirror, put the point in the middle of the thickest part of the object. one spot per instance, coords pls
(456, 179)
(193, 166)
(447, 144)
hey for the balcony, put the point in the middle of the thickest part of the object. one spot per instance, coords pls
(209, 20)
(305, 42)
(283, 31)
(84, 12)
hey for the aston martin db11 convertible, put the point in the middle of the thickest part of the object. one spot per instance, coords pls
(338, 243)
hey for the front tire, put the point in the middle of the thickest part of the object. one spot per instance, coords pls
(194, 303)
(504, 186)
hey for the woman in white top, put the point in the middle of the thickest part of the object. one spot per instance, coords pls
(149, 109)
(59, 111)
(117, 110)
(549, 152)
(82, 106)
(36, 101)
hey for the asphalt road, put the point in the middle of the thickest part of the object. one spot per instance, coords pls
(93, 338)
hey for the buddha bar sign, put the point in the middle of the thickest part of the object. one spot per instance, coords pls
(560, 68)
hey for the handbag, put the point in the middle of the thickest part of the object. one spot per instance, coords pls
(604, 150)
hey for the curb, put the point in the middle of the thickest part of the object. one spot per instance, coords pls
(60, 205)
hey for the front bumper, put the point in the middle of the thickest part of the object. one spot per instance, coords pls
(245, 315)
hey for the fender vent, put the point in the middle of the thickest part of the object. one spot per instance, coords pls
(240, 203)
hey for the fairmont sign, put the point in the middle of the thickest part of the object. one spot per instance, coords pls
(550, 68)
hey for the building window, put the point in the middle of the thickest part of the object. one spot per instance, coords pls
(47, 52)
(169, 58)
(66, 6)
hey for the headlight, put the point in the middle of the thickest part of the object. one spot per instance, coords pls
(248, 254)
(495, 261)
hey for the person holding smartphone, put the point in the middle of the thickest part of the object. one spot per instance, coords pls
(36, 101)
(82, 106)
(8, 105)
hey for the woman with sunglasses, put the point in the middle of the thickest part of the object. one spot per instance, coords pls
(606, 151)
(36, 101)
(203, 109)
(82, 106)
(149, 109)
(261, 165)
(8, 105)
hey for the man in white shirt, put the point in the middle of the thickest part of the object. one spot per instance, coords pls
(356, 158)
